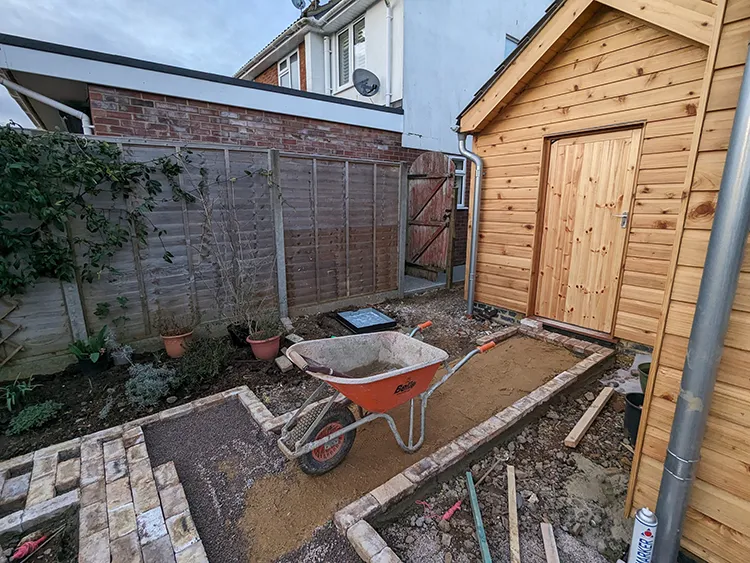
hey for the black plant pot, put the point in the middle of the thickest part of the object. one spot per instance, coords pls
(89, 368)
(238, 333)
(633, 407)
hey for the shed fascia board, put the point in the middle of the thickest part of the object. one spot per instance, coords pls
(114, 75)
(482, 110)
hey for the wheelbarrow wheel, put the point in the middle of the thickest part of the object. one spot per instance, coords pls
(326, 457)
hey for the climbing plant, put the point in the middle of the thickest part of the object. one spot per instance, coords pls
(48, 180)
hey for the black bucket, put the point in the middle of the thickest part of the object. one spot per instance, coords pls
(633, 406)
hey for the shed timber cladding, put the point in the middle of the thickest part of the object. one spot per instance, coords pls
(612, 69)
(718, 520)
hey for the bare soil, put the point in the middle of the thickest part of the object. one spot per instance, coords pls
(488, 383)
(580, 491)
(62, 548)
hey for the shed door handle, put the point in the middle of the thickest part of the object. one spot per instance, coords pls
(623, 218)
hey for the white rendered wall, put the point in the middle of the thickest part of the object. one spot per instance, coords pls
(451, 48)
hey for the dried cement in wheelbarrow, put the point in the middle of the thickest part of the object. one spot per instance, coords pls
(284, 509)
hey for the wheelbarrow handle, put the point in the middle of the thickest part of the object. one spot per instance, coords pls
(486, 347)
(297, 360)
(424, 325)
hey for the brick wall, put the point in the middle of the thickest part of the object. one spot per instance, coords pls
(269, 76)
(460, 237)
(127, 113)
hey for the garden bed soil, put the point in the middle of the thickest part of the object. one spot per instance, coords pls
(580, 491)
(63, 548)
(284, 507)
(85, 398)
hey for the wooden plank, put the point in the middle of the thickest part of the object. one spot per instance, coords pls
(662, 176)
(680, 321)
(651, 236)
(664, 160)
(515, 544)
(648, 295)
(582, 426)
(726, 88)
(550, 546)
(694, 247)
(709, 168)
(716, 130)
(670, 143)
(649, 251)
(732, 368)
(657, 206)
(659, 191)
(733, 45)
(667, 15)
(666, 128)
(652, 281)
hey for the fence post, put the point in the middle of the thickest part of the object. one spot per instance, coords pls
(274, 183)
(403, 199)
(74, 307)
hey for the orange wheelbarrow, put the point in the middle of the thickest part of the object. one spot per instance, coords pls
(377, 372)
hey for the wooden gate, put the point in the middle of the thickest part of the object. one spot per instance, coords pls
(430, 222)
(590, 184)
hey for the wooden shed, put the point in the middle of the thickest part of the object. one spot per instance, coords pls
(611, 108)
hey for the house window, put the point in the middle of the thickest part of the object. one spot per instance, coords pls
(510, 44)
(289, 71)
(462, 202)
(350, 52)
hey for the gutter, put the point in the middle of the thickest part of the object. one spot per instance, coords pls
(301, 25)
(88, 129)
(726, 248)
(474, 241)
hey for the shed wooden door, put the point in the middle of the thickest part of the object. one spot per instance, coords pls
(590, 183)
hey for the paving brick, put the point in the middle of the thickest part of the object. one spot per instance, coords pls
(92, 519)
(41, 489)
(508, 417)
(393, 490)
(91, 449)
(93, 493)
(19, 464)
(207, 402)
(44, 466)
(151, 526)
(294, 338)
(524, 405)
(176, 412)
(132, 437)
(386, 556)
(166, 475)
(158, 551)
(193, 554)
(235, 391)
(68, 475)
(145, 495)
(448, 455)
(283, 363)
(15, 489)
(421, 470)
(360, 509)
(94, 549)
(115, 469)
(121, 521)
(12, 523)
(113, 449)
(471, 440)
(182, 531)
(106, 434)
(67, 449)
(126, 549)
(365, 540)
(50, 509)
(173, 500)
(143, 421)
(118, 493)
(137, 453)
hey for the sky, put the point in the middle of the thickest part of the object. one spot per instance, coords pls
(212, 35)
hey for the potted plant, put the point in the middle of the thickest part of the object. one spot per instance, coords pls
(265, 336)
(91, 353)
(175, 332)
(121, 354)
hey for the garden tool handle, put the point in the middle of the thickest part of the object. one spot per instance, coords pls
(297, 360)
(486, 347)
(424, 325)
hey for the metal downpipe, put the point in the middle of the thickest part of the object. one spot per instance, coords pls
(474, 242)
(88, 129)
(718, 287)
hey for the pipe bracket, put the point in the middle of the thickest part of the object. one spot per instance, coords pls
(680, 469)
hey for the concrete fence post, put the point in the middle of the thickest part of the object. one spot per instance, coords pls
(274, 183)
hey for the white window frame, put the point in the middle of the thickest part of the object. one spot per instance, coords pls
(350, 30)
(461, 202)
(288, 70)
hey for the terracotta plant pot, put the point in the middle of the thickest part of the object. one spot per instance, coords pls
(176, 345)
(265, 349)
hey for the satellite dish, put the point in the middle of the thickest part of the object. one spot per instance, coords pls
(299, 4)
(365, 82)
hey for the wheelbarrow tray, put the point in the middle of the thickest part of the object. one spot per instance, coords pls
(411, 365)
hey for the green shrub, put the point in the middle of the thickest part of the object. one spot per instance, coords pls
(204, 360)
(34, 416)
(148, 384)
(92, 348)
(14, 394)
